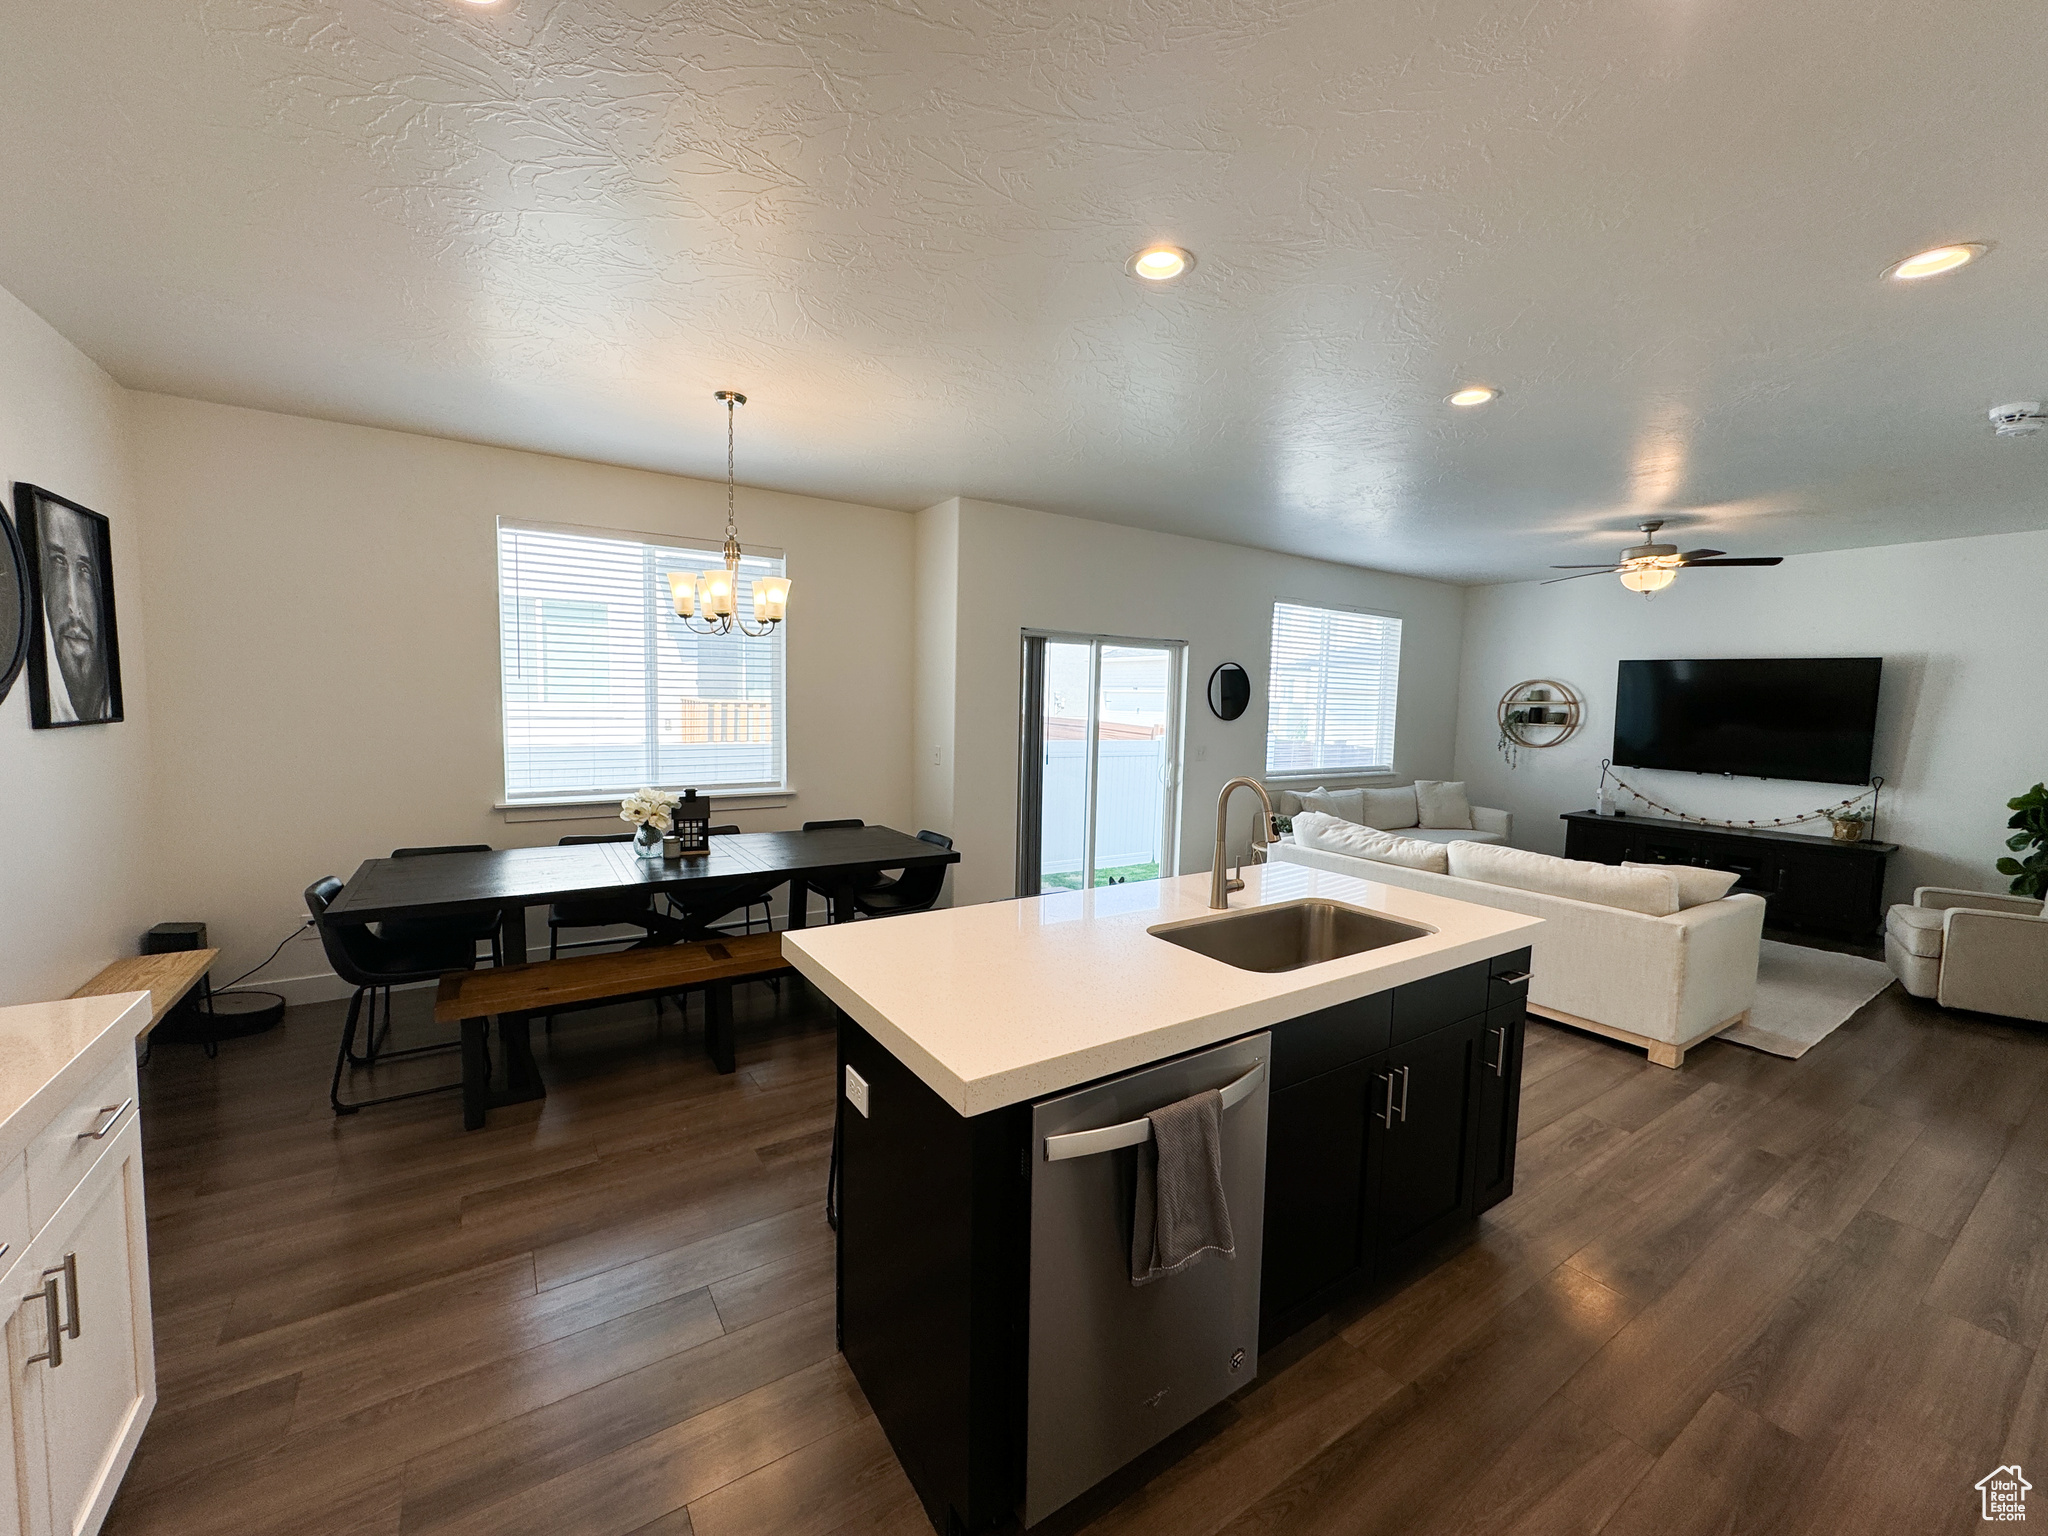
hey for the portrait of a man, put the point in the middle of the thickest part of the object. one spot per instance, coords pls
(75, 667)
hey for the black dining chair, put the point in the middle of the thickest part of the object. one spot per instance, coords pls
(431, 930)
(373, 964)
(915, 890)
(852, 885)
(767, 914)
(624, 911)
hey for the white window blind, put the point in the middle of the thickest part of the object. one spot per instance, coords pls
(606, 690)
(1335, 681)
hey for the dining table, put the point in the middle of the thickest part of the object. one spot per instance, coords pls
(511, 883)
(740, 867)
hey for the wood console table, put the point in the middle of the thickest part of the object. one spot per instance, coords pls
(1812, 884)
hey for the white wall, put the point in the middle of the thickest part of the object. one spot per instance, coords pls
(1960, 724)
(74, 826)
(1018, 569)
(323, 619)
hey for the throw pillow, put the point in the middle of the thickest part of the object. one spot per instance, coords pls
(1345, 804)
(1333, 836)
(1441, 804)
(1653, 892)
(1696, 886)
(1390, 809)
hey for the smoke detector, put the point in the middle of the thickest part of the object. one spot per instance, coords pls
(2017, 418)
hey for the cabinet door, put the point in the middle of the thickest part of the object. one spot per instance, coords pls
(95, 1403)
(1497, 1102)
(24, 1504)
(1419, 1140)
(1315, 1188)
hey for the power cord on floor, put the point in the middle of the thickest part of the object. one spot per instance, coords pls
(308, 923)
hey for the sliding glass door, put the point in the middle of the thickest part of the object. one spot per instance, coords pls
(1099, 779)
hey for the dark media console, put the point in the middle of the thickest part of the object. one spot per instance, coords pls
(1811, 884)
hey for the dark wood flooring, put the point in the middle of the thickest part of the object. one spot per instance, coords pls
(1753, 1295)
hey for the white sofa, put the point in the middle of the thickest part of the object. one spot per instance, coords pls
(1396, 810)
(1661, 983)
(1972, 949)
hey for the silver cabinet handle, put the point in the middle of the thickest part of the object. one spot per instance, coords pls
(1387, 1119)
(53, 1322)
(113, 1112)
(1513, 978)
(70, 1273)
(1404, 1095)
(1500, 1055)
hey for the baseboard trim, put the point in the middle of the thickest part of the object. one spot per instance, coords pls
(1662, 1052)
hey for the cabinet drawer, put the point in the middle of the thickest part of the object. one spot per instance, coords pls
(1436, 1002)
(1330, 1038)
(60, 1156)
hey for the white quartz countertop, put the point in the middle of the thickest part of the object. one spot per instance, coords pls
(1010, 1001)
(51, 1052)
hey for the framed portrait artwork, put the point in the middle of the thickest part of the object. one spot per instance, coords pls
(16, 616)
(74, 648)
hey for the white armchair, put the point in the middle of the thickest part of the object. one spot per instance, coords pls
(1972, 949)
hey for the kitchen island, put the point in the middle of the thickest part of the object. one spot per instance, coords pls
(995, 1067)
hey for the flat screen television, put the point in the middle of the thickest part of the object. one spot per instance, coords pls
(1811, 718)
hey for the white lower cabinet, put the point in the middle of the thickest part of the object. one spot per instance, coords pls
(80, 1353)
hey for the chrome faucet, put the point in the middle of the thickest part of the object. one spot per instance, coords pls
(1221, 884)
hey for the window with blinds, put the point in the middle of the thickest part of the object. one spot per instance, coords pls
(607, 691)
(1335, 680)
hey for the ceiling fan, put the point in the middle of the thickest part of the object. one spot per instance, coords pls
(1651, 567)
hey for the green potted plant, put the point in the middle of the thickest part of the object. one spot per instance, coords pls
(2030, 823)
(1851, 826)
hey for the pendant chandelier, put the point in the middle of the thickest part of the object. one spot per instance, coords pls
(708, 601)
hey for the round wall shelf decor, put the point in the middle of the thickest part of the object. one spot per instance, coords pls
(1539, 713)
(1230, 691)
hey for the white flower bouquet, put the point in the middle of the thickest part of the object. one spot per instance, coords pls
(649, 808)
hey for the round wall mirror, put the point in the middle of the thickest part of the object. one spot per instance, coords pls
(1230, 691)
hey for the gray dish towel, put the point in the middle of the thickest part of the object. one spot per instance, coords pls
(1180, 1212)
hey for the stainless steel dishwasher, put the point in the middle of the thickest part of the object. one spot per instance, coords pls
(1115, 1368)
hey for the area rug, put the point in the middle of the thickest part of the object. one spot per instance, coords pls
(1804, 995)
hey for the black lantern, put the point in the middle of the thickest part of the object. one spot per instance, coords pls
(692, 821)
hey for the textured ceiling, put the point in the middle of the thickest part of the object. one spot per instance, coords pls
(559, 224)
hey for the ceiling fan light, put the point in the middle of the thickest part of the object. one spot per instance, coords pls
(1646, 576)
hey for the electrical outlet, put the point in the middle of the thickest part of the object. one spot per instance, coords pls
(857, 1092)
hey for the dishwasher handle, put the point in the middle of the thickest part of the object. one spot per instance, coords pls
(1135, 1133)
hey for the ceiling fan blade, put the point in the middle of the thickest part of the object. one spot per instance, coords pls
(1610, 566)
(1707, 565)
(1603, 570)
(1699, 554)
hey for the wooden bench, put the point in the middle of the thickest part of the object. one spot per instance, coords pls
(515, 993)
(166, 978)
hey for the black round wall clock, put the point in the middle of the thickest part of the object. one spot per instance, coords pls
(15, 628)
(1230, 691)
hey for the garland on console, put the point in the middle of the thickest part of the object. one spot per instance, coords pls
(1826, 813)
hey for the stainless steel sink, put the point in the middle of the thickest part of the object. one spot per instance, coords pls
(1288, 935)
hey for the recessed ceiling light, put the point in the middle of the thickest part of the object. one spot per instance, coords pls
(1475, 394)
(1943, 258)
(1160, 263)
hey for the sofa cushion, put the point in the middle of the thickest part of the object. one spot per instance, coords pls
(1330, 835)
(1653, 892)
(1696, 886)
(1450, 835)
(1390, 810)
(1917, 929)
(1441, 804)
(1345, 804)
